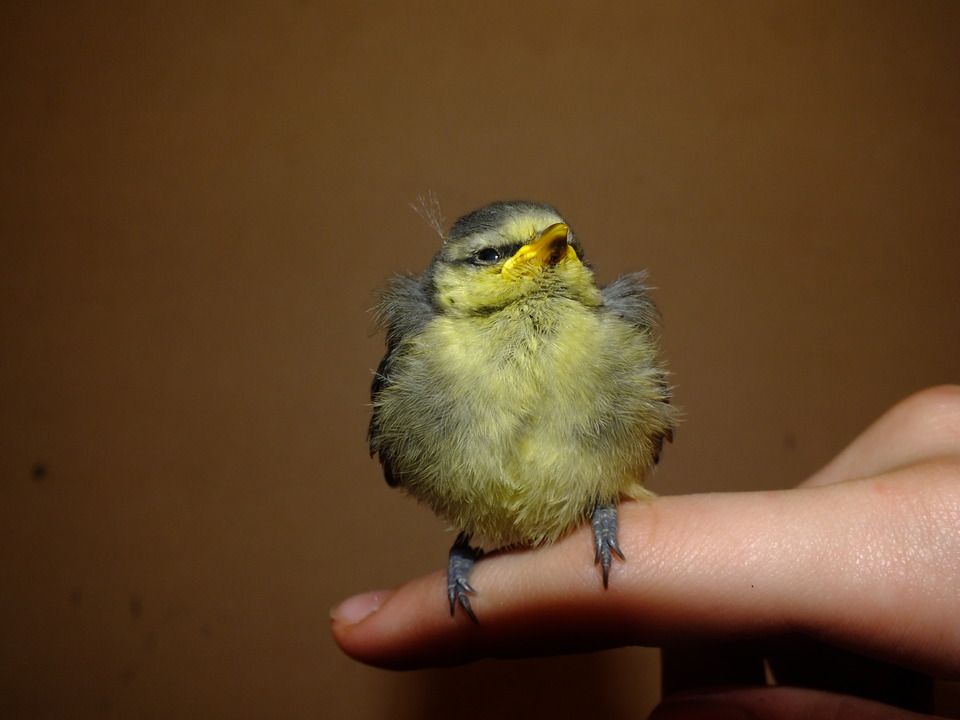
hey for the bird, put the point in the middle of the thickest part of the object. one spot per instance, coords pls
(516, 398)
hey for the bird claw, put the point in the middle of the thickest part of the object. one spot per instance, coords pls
(461, 562)
(605, 543)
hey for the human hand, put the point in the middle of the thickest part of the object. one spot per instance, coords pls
(865, 555)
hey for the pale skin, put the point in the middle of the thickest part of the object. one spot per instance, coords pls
(864, 555)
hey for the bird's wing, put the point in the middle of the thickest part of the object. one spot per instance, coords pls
(628, 297)
(404, 311)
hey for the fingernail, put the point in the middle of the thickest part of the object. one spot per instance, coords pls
(701, 707)
(355, 609)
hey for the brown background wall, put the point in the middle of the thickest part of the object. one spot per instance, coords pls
(199, 198)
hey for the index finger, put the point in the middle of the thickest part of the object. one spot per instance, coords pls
(870, 565)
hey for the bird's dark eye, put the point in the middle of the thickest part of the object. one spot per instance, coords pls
(487, 255)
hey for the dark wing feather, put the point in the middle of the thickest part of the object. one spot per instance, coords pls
(403, 311)
(629, 298)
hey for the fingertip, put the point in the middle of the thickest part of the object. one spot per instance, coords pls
(356, 609)
(922, 426)
(404, 628)
(348, 626)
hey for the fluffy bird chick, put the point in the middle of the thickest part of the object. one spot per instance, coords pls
(516, 398)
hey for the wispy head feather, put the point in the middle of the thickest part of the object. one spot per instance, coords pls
(428, 208)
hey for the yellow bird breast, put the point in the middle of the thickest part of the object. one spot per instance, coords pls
(515, 425)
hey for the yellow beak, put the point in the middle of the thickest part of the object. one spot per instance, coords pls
(547, 249)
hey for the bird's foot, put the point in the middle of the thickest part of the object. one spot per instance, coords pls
(604, 523)
(462, 559)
